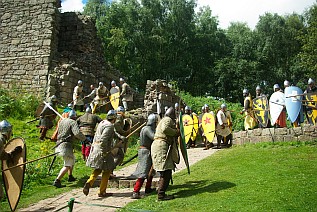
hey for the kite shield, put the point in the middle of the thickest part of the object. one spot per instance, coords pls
(182, 143)
(13, 178)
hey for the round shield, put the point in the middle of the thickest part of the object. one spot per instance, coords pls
(208, 125)
(188, 124)
(13, 178)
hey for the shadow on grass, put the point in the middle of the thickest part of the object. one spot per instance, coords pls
(191, 188)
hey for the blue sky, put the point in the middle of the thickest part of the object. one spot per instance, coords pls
(231, 10)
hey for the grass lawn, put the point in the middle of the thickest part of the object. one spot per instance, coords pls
(254, 177)
(37, 181)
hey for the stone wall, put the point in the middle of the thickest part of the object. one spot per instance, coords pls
(28, 30)
(304, 133)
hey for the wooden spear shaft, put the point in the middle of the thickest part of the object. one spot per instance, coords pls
(31, 161)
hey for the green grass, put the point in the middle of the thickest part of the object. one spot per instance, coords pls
(254, 177)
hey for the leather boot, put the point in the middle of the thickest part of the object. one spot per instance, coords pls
(86, 188)
(136, 195)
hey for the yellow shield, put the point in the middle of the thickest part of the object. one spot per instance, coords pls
(208, 125)
(115, 100)
(188, 126)
(195, 129)
(312, 113)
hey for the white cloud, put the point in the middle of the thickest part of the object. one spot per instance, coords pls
(72, 5)
(249, 10)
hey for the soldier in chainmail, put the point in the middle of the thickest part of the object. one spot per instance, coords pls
(164, 152)
(68, 130)
(126, 93)
(144, 168)
(100, 158)
(87, 124)
(47, 117)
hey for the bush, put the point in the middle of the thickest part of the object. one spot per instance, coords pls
(17, 104)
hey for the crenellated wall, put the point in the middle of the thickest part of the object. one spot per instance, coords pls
(304, 133)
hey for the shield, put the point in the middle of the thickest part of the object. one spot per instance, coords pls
(293, 102)
(277, 103)
(39, 109)
(312, 113)
(182, 143)
(188, 125)
(208, 125)
(195, 129)
(114, 97)
(261, 110)
(13, 178)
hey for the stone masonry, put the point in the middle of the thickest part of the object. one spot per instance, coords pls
(304, 133)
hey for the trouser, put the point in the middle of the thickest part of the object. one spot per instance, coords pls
(219, 138)
(125, 105)
(140, 182)
(43, 132)
(104, 179)
(165, 178)
(1, 192)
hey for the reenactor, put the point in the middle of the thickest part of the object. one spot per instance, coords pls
(281, 120)
(223, 126)
(68, 130)
(126, 93)
(102, 97)
(92, 95)
(47, 117)
(310, 112)
(249, 120)
(87, 124)
(78, 98)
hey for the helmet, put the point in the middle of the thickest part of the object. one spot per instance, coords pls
(170, 113)
(80, 82)
(187, 108)
(202, 108)
(151, 119)
(276, 86)
(53, 98)
(310, 81)
(206, 105)
(100, 83)
(286, 83)
(223, 106)
(113, 82)
(258, 88)
(176, 105)
(120, 109)
(6, 128)
(111, 115)
(70, 105)
(165, 108)
(88, 110)
(121, 80)
(245, 91)
(72, 114)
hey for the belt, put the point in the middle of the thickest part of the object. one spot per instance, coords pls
(143, 147)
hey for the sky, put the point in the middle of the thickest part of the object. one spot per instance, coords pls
(227, 11)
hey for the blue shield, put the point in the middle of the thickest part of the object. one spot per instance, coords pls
(293, 102)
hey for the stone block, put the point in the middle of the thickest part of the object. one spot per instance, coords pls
(237, 141)
(250, 133)
(290, 138)
(255, 139)
(237, 134)
(281, 131)
(243, 134)
(304, 138)
(313, 134)
(278, 138)
(266, 138)
(257, 132)
(268, 131)
(124, 184)
(296, 131)
(114, 183)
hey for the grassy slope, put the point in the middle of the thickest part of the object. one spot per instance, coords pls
(258, 177)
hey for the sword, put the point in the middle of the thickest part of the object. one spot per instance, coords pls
(50, 107)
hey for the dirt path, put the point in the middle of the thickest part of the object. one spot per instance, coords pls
(120, 198)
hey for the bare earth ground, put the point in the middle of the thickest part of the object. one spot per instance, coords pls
(120, 196)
